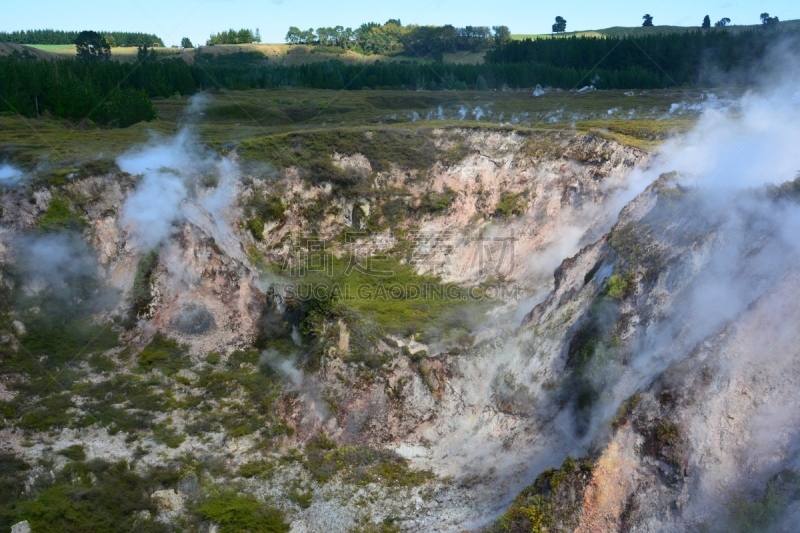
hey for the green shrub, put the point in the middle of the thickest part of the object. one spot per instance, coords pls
(256, 227)
(357, 464)
(510, 204)
(213, 358)
(302, 498)
(256, 469)
(74, 452)
(618, 286)
(48, 413)
(242, 513)
(101, 363)
(168, 436)
(94, 496)
(13, 473)
(164, 354)
(552, 503)
(433, 202)
(60, 217)
(142, 291)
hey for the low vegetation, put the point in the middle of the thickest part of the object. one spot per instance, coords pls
(359, 465)
(552, 503)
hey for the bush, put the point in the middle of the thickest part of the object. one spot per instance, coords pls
(433, 202)
(141, 294)
(552, 503)
(256, 227)
(618, 286)
(60, 217)
(164, 354)
(94, 496)
(242, 513)
(125, 108)
(510, 204)
(74, 452)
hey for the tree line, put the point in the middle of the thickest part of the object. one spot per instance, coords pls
(119, 94)
(392, 37)
(114, 38)
(243, 36)
(680, 58)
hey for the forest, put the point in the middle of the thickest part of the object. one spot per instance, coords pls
(412, 40)
(114, 38)
(118, 94)
(691, 58)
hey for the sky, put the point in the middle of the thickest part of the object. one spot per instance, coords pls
(197, 19)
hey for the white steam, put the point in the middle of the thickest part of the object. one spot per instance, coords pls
(9, 175)
(173, 170)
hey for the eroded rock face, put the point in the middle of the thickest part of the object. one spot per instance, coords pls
(194, 320)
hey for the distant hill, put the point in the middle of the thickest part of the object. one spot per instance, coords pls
(635, 31)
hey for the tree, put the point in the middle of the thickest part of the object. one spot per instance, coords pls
(721, 23)
(560, 26)
(396, 22)
(706, 22)
(294, 35)
(257, 36)
(92, 46)
(502, 35)
(244, 36)
(142, 54)
(186, 43)
(648, 21)
(766, 20)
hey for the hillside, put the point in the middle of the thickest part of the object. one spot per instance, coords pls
(635, 31)
(273, 54)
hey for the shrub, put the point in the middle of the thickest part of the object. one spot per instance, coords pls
(74, 452)
(94, 496)
(510, 204)
(60, 217)
(141, 294)
(242, 513)
(618, 286)
(433, 202)
(101, 363)
(168, 436)
(256, 227)
(552, 503)
(163, 354)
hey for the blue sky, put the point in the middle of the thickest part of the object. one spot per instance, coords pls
(173, 19)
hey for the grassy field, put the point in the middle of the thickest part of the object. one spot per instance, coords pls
(274, 54)
(123, 54)
(641, 118)
(635, 31)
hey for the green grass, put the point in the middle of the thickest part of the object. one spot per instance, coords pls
(385, 290)
(257, 119)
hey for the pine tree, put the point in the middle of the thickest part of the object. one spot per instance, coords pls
(92, 46)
